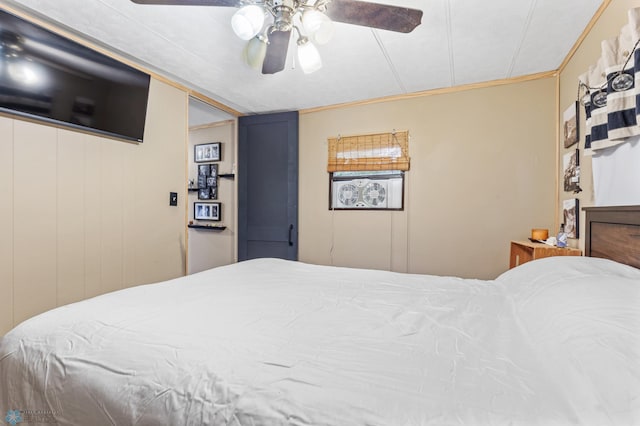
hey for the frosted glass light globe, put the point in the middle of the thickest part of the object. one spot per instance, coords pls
(317, 26)
(248, 21)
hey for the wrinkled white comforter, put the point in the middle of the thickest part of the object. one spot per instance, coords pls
(272, 342)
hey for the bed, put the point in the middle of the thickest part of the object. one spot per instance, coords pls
(266, 342)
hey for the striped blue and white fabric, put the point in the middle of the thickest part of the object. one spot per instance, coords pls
(599, 114)
(634, 26)
(586, 103)
(621, 93)
(612, 109)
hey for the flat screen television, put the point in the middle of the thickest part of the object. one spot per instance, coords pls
(48, 77)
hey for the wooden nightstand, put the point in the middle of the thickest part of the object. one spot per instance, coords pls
(524, 251)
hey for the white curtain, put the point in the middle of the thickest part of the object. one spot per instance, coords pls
(616, 174)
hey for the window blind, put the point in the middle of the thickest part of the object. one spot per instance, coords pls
(379, 151)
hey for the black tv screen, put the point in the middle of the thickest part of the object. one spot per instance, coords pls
(49, 77)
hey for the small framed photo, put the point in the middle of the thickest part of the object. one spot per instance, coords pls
(207, 152)
(213, 170)
(213, 192)
(204, 169)
(202, 181)
(204, 193)
(570, 117)
(206, 211)
(571, 165)
(211, 181)
(570, 210)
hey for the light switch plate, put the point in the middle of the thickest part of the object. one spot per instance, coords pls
(173, 198)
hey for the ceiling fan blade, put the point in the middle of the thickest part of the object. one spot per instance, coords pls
(381, 16)
(227, 3)
(276, 52)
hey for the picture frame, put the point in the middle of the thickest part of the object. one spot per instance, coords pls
(207, 152)
(207, 211)
(570, 214)
(207, 182)
(202, 181)
(571, 128)
(213, 171)
(571, 171)
(204, 193)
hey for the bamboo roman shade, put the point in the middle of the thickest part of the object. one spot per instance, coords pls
(379, 151)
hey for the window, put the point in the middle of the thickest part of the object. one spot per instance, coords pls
(367, 171)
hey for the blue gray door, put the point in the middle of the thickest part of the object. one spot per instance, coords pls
(268, 186)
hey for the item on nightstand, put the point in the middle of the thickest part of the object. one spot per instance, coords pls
(539, 234)
(562, 237)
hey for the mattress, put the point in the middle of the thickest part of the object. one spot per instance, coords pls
(272, 342)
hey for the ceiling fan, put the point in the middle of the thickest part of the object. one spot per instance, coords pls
(268, 24)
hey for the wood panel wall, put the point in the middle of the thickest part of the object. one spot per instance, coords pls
(6, 225)
(83, 215)
(482, 174)
(209, 249)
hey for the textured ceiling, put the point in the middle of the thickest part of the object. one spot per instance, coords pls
(458, 42)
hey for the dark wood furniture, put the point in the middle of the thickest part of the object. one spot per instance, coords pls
(525, 251)
(613, 233)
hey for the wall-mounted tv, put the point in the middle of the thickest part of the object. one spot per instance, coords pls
(51, 78)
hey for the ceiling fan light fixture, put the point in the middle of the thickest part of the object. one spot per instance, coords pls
(256, 51)
(248, 21)
(311, 19)
(308, 56)
(317, 25)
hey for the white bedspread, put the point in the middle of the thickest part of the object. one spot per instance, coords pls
(271, 342)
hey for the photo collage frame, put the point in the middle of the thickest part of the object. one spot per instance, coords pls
(207, 181)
